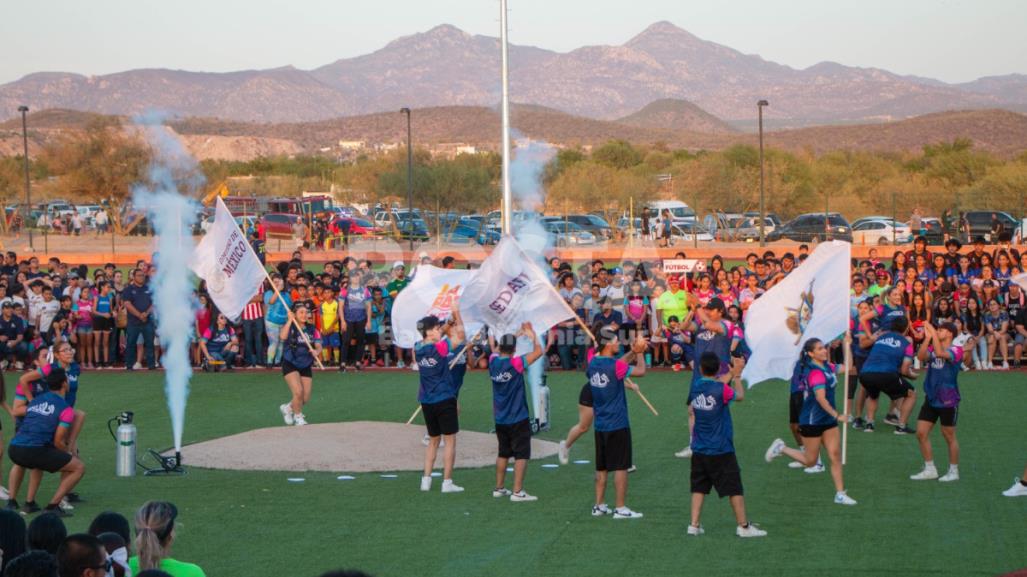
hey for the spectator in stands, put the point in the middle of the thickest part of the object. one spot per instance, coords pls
(139, 303)
(155, 534)
(13, 347)
(46, 533)
(82, 555)
(355, 323)
(253, 332)
(12, 536)
(32, 564)
(219, 345)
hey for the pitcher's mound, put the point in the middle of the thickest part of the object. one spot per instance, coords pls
(354, 447)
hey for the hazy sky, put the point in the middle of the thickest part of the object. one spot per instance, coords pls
(952, 40)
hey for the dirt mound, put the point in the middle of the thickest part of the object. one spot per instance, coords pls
(354, 447)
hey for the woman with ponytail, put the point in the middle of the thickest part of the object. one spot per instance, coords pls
(155, 532)
(818, 419)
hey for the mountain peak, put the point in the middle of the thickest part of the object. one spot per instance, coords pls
(446, 31)
(661, 31)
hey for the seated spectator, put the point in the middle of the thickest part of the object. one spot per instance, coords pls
(13, 348)
(12, 536)
(219, 345)
(111, 522)
(82, 555)
(46, 533)
(155, 533)
(32, 564)
(117, 550)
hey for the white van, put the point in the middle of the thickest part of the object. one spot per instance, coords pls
(679, 211)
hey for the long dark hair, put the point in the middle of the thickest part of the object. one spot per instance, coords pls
(802, 368)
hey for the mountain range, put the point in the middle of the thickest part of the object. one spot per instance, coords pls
(446, 66)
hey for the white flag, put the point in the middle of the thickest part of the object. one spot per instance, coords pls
(225, 259)
(430, 292)
(510, 289)
(1020, 279)
(811, 302)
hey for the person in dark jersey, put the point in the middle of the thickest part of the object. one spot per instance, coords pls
(886, 370)
(437, 395)
(941, 399)
(298, 363)
(510, 412)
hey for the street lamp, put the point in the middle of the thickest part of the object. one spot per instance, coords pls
(28, 186)
(763, 207)
(410, 180)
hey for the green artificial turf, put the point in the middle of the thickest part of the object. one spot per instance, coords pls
(237, 524)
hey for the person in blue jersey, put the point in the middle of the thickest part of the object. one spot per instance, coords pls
(891, 308)
(42, 439)
(818, 419)
(886, 369)
(941, 399)
(607, 378)
(510, 410)
(298, 363)
(863, 327)
(586, 412)
(437, 395)
(713, 334)
(714, 465)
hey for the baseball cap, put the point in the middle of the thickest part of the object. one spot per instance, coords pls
(674, 279)
(715, 304)
(398, 264)
(423, 255)
(7, 305)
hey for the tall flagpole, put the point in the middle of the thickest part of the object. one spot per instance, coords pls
(507, 196)
(847, 355)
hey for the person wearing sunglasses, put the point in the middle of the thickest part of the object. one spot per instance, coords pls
(83, 555)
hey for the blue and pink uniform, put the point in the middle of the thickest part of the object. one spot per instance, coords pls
(713, 433)
(718, 343)
(606, 378)
(941, 386)
(45, 413)
(812, 413)
(888, 354)
(73, 371)
(433, 370)
(888, 314)
(459, 369)
(295, 350)
(509, 405)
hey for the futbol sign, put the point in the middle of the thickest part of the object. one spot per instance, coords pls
(683, 265)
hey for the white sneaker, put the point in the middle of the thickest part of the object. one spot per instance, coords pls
(286, 411)
(1005, 365)
(1017, 490)
(426, 483)
(842, 499)
(522, 497)
(916, 364)
(685, 453)
(978, 365)
(400, 365)
(4, 495)
(818, 468)
(564, 453)
(425, 439)
(501, 492)
(601, 510)
(693, 530)
(448, 486)
(65, 505)
(413, 367)
(796, 465)
(928, 474)
(300, 419)
(138, 366)
(625, 513)
(774, 450)
(950, 476)
(750, 530)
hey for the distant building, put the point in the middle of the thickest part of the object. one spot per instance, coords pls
(352, 145)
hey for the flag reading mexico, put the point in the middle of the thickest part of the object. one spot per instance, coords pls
(811, 302)
(430, 293)
(225, 259)
(510, 289)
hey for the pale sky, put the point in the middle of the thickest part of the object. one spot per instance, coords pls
(951, 40)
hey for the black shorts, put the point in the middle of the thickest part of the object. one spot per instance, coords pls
(585, 396)
(857, 361)
(812, 431)
(891, 384)
(102, 324)
(49, 459)
(794, 407)
(514, 440)
(931, 414)
(720, 472)
(288, 367)
(613, 450)
(441, 418)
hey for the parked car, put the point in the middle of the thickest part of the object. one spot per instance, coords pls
(593, 224)
(746, 229)
(278, 224)
(774, 219)
(567, 233)
(933, 230)
(352, 226)
(690, 232)
(881, 232)
(461, 234)
(408, 228)
(980, 222)
(861, 220)
(679, 211)
(814, 227)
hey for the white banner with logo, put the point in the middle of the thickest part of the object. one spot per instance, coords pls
(225, 259)
(430, 293)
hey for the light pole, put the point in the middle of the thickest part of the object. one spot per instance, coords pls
(763, 207)
(28, 183)
(410, 180)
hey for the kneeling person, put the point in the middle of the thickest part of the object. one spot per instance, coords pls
(714, 464)
(510, 408)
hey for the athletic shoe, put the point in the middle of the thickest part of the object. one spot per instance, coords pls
(137, 367)
(359, 367)
(1005, 365)
(796, 465)
(892, 419)
(685, 453)
(676, 367)
(448, 486)
(868, 428)
(564, 453)
(426, 484)
(928, 474)
(66, 504)
(12, 505)
(342, 368)
(696, 531)
(425, 440)
(978, 365)
(904, 430)
(774, 450)
(400, 365)
(632, 469)
(501, 492)
(1017, 490)
(4, 495)
(58, 510)
(74, 497)
(286, 411)
(18, 365)
(818, 468)
(300, 419)
(750, 530)
(625, 513)
(413, 367)
(841, 498)
(522, 497)
(858, 423)
(29, 508)
(601, 510)
(952, 475)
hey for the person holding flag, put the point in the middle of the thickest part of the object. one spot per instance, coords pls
(818, 418)
(510, 410)
(297, 363)
(437, 395)
(941, 399)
